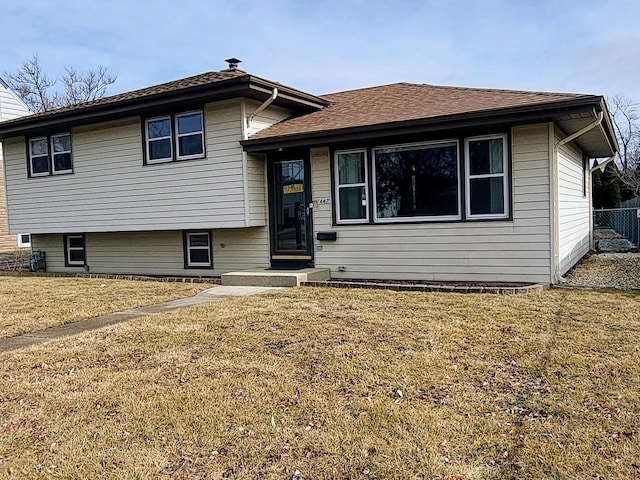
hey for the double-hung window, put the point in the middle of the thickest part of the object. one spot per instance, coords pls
(487, 181)
(189, 135)
(159, 144)
(50, 155)
(351, 186)
(174, 137)
(198, 252)
(75, 250)
(417, 182)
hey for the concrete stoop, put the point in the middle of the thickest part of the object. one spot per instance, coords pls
(267, 277)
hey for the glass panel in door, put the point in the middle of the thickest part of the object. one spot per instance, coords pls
(290, 207)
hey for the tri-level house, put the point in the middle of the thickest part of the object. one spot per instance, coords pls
(11, 106)
(227, 171)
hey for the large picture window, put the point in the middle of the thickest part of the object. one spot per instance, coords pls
(417, 182)
(174, 137)
(486, 179)
(351, 186)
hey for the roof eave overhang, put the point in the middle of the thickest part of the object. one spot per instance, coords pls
(508, 116)
(246, 86)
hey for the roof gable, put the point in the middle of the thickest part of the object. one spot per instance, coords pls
(206, 87)
(407, 108)
(402, 102)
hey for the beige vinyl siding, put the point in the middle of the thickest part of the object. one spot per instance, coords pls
(512, 250)
(10, 107)
(111, 189)
(7, 242)
(573, 207)
(257, 185)
(266, 118)
(158, 253)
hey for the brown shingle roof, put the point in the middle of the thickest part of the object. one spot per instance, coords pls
(176, 85)
(401, 102)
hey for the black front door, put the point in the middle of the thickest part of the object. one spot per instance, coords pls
(290, 212)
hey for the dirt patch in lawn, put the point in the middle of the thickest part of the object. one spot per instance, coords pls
(34, 303)
(337, 383)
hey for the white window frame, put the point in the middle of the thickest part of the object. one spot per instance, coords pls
(504, 175)
(338, 186)
(69, 249)
(188, 249)
(22, 244)
(178, 135)
(166, 137)
(31, 157)
(424, 218)
(53, 153)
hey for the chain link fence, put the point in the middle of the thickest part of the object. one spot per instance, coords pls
(617, 224)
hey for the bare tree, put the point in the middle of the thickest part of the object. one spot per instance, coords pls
(626, 122)
(39, 91)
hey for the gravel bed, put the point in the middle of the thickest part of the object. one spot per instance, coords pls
(607, 270)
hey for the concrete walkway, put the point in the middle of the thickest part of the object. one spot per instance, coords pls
(54, 333)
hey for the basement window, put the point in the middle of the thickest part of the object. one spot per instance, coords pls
(198, 251)
(24, 240)
(75, 250)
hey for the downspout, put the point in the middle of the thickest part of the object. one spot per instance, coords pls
(556, 277)
(264, 105)
(245, 168)
(246, 130)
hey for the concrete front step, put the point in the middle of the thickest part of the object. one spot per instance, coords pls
(266, 277)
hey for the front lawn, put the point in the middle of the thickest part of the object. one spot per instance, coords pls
(316, 383)
(28, 304)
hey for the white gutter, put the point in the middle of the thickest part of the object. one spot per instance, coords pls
(556, 277)
(582, 131)
(264, 105)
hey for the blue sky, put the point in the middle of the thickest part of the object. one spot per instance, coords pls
(322, 46)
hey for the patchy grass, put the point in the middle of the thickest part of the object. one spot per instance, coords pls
(29, 304)
(337, 384)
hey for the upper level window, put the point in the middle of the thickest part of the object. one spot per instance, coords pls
(486, 182)
(174, 137)
(351, 186)
(159, 145)
(417, 182)
(50, 155)
(190, 136)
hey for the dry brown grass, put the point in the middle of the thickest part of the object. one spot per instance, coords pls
(337, 384)
(29, 304)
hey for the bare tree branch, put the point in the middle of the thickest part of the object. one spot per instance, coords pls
(38, 91)
(626, 123)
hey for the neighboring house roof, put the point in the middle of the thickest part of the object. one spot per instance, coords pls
(407, 107)
(11, 105)
(206, 87)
